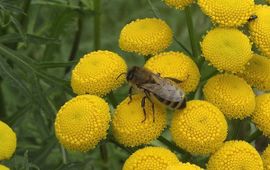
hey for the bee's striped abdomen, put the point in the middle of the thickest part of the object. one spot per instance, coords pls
(174, 105)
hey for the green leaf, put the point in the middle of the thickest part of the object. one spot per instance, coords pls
(55, 64)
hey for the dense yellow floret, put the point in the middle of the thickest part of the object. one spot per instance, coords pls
(200, 128)
(178, 4)
(97, 73)
(260, 29)
(176, 65)
(227, 49)
(8, 141)
(257, 72)
(261, 115)
(266, 158)
(231, 94)
(230, 13)
(184, 166)
(128, 128)
(145, 36)
(235, 155)
(82, 122)
(148, 158)
(2, 167)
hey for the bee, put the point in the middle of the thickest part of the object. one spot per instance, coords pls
(152, 85)
(252, 18)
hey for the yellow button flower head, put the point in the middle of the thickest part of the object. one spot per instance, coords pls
(145, 36)
(82, 122)
(178, 4)
(257, 72)
(231, 94)
(96, 73)
(156, 158)
(8, 141)
(260, 29)
(2, 167)
(200, 128)
(230, 13)
(184, 166)
(128, 128)
(227, 49)
(261, 115)
(235, 155)
(176, 65)
(266, 158)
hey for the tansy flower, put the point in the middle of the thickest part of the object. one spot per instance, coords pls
(184, 166)
(97, 73)
(200, 128)
(261, 115)
(2, 167)
(231, 94)
(260, 29)
(128, 126)
(8, 141)
(257, 72)
(82, 122)
(235, 155)
(145, 36)
(230, 13)
(178, 4)
(156, 158)
(176, 65)
(266, 158)
(227, 49)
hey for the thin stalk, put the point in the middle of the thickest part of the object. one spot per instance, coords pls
(192, 36)
(112, 99)
(185, 155)
(236, 125)
(97, 25)
(64, 155)
(253, 136)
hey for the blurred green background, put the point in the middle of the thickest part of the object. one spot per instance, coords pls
(41, 40)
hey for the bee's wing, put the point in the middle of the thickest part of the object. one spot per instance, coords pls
(164, 89)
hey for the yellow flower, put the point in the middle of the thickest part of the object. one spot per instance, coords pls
(261, 115)
(176, 65)
(266, 158)
(97, 73)
(235, 155)
(156, 158)
(2, 167)
(260, 29)
(178, 4)
(200, 128)
(231, 94)
(230, 13)
(128, 128)
(8, 141)
(82, 122)
(257, 72)
(145, 36)
(227, 49)
(184, 166)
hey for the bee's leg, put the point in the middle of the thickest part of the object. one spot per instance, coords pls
(130, 95)
(143, 106)
(147, 94)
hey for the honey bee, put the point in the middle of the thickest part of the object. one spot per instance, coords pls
(164, 90)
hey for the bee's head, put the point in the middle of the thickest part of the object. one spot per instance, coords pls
(132, 72)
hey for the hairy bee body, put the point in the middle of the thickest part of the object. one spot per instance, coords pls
(163, 89)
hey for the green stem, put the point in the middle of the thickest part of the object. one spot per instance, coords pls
(193, 41)
(104, 155)
(253, 136)
(64, 155)
(236, 125)
(97, 25)
(185, 155)
(2, 101)
(112, 99)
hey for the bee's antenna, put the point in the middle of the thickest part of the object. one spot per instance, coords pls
(120, 75)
